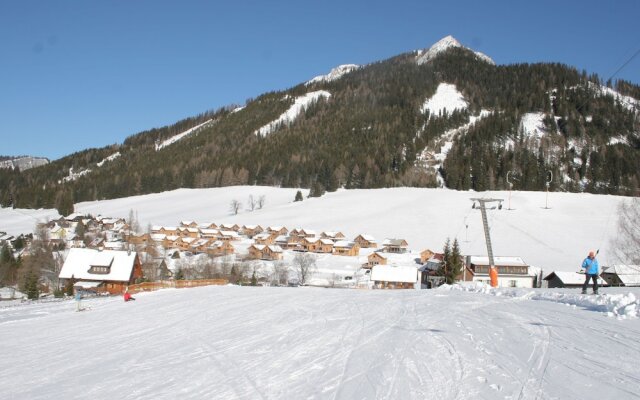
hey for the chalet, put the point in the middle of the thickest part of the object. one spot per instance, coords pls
(394, 277)
(209, 233)
(168, 230)
(251, 230)
(228, 235)
(188, 232)
(230, 227)
(278, 230)
(138, 239)
(109, 271)
(220, 248)
(170, 241)
(208, 225)
(188, 224)
(512, 271)
(184, 243)
(366, 241)
(326, 246)
(264, 238)
(332, 235)
(622, 275)
(563, 279)
(262, 252)
(286, 242)
(199, 246)
(346, 248)
(425, 255)
(374, 259)
(309, 244)
(306, 233)
(395, 246)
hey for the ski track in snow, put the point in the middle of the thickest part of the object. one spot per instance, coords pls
(284, 343)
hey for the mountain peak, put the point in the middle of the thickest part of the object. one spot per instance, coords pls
(444, 44)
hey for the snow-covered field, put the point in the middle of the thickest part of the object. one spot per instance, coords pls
(554, 238)
(231, 342)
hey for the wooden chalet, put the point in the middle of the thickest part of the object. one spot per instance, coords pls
(395, 246)
(264, 238)
(188, 232)
(332, 235)
(262, 252)
(374, 259)
(103, 271)
(220, 248)
(184, 243)
(209, 233)
(277, 230)
(566, 279)
(230, 227)
(425, 255)
(188, 224)
(286, 242)
(200, 246)
(366, 241)
(208, 225)
(228, 235)
(346, 248)
(251, 230)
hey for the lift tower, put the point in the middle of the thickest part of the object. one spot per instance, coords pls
(493, 272)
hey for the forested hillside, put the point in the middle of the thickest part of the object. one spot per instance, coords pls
(369, 129)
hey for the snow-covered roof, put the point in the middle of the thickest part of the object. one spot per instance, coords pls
(568, 278)
(79, 261)
(392, 273)
(499, 261)
(628, 274)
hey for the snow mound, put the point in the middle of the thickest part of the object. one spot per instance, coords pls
(300, 104)
(335, 74)
(181, 135)
(447, 97)
(443, 45)
(619, 305)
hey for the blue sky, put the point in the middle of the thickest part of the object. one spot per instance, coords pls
(81, 74)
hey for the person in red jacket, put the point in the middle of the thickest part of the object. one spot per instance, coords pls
(128, 296)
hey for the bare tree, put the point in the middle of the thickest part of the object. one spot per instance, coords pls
(235, 206)
(305, 265)
(252, 202)
(280, 273)
(261, 201)
(626, 245)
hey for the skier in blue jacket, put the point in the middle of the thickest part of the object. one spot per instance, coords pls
(591, 270)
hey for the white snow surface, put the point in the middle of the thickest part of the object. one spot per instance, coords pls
(447, 97)
(444, 44)
(181, 135)
(557, 238)
(229, 342)
(300, 105)
(335, 74)
(532, 125)
(110, 158)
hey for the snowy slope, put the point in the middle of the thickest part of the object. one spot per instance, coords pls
(308, 343)
(557, 238)
(447, 97)
(300, 104)
(181, 135)
(335, 74)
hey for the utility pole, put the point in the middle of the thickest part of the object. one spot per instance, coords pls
(485, 222)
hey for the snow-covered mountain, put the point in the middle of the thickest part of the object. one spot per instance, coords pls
(444, 44)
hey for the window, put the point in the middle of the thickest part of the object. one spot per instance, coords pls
(513, 283)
